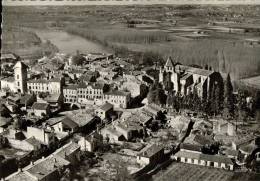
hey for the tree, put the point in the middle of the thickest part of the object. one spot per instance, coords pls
(257, 106)
(229, 98)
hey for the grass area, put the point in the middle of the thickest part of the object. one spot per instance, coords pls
(25, 44)
(189, 172)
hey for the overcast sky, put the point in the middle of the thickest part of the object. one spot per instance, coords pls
(116, 2)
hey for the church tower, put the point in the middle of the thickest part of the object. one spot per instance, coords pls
(20, 77)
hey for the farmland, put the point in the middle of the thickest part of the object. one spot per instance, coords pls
(188, 172)
(201, 35)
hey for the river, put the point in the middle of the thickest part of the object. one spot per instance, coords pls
(69, 44)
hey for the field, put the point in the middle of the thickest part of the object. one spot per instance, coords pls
(24, 43)
(212, 35)
(188, 172)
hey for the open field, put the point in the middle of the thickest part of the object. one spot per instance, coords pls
(188, 172)
(213, 35)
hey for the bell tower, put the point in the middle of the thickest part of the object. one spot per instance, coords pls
(20, 77)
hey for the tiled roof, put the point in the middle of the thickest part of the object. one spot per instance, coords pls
(193, 70)
(40, 106)
(33, 141)
(66, 150)
(118, 93)
(20, 176)
(8, 79)
(107, 106)
(69, 122)
(150, 150)
(44, 167)
(190, 147)
(200, 156)
(25, 98)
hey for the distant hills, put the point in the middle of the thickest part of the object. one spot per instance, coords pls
(122, 2)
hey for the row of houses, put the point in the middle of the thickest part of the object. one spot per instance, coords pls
(51, 167)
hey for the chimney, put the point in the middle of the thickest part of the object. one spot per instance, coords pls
(32, 163)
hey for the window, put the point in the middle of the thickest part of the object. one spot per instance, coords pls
(18, 83)
(17, 76)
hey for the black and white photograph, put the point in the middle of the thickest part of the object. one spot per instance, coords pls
(130, 90)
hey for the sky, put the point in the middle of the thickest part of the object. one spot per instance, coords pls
(123, 2)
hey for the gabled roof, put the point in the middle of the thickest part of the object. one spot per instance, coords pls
(69, 122)
(169, 62)
(151, 150)
(25, 98)
(205, 157)
(107, 106)
(40, 106)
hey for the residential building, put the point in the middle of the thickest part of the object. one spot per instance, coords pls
(105, 111)
(119, 99)
(90, 143)
(52, 86)
(41, 109)
(64, 124)
(45, 136)
(27, 100)
(83, 93)
(216, 161)
(151, 155)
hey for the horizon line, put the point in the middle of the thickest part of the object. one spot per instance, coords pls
(125, 2)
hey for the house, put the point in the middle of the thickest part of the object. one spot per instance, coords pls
(27, 100)
(41, 170)
(129, 129)
(216, 161)
(242, 141)
(151, 155)
(104, 111)
(65, 124)
(119, 99)
(112, 135)
(45, 136)
(69, 152)
(70, 94)
(90, 143)
(55, 101)
(41, 109)
(33, 143)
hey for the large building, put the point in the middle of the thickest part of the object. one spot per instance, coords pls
(82, 93)
(52, 86)
(186, 79)
(118, 98)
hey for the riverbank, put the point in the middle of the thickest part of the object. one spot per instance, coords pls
(26, 44)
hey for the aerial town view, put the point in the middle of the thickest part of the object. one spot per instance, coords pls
(153, 92)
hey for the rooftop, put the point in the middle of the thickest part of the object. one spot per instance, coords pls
(150, 150)
(40, 106)
(66, 150)
(69, 122)
(118, 93)
(107, 106)
(200, 156)
(44, 167)
(193, 70)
